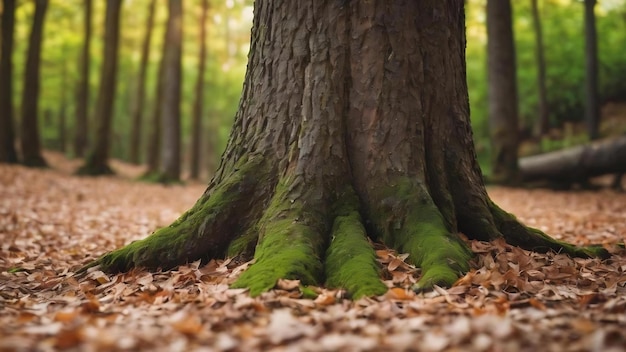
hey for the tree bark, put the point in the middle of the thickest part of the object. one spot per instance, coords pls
(30, 139)
(82, 89)
(544, 119)
(592, 106)
(196, 125)
(154, 139)
(502, 92)
(138, 107)
(353, 122)
(578, 164)
(170, 104)
(97, 160)
(7, 130)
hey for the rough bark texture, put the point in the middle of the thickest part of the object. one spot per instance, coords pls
(138, 107)
(97, 160)
(353, 123)
(196, 125)
(7, 131)
(82, 89)
(170, 114)
(592, 106)
(502, 92)
(577, 164)
(543, 123)
(30, 139)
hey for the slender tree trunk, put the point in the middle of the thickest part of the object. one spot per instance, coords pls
(592, 106)
(502, 89)
(7, 131)
(353, 122)
(97, 160)
(196, 125)
(62, 109)
(138, 107)
(30, 140)
(82, 89)
(154, 139)
(544, 119)
(170, 104)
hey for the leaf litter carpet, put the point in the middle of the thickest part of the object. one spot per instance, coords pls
(51, 223)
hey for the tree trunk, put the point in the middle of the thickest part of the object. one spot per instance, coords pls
(154, 139)
(502, 92)
(82, 90)
(30, 140)
(196, 124)
(353, 122)
(544, 121)
(138, 107)
(592, 106)
(170, 104)
(97, 160)
(62, 108)
(7, 130)
(577, 164)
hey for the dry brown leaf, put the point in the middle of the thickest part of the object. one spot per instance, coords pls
(54, 223)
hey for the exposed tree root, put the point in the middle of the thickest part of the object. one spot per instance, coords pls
(291, 243)
(93, 169)
(35, 161)
(517, 234)
(350, 259)
(317, 236)
(204, 231)
(410, 222)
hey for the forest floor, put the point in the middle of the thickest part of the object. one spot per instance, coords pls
(52, 222)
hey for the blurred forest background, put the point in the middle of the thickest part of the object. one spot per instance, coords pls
(227, 24)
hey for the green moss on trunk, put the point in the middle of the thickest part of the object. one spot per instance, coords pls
(350, 259)
(410, 222)
(291, 241)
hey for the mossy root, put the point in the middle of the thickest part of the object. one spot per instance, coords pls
(350, 259)
(291, 242)
(204, 231)
(517, 234)
(410, 222)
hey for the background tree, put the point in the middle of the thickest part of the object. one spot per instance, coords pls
(502, 88)
(170, 104)
(196, 124)
(62, 119)
(543, 124)
(82, 89)
(154, 138)
(30, 139)
(138, 107)
(7, 134)
(97, 160)
(592, 106)
(353, 114)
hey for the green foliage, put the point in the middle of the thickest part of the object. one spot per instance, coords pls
(562, 22)
(228, 37)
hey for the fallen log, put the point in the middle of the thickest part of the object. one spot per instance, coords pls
(576, 164)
